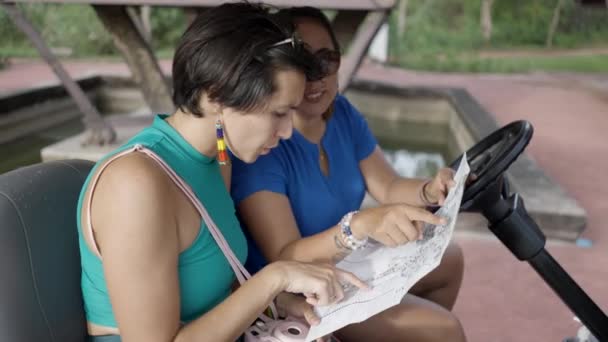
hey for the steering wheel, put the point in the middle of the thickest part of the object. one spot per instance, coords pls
(510, 222)
(492, 156)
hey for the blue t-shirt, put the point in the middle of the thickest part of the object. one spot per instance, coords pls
(318, 201)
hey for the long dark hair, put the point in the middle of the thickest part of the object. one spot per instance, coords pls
(229, 52)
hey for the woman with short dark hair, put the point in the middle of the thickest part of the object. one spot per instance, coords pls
(151, 268)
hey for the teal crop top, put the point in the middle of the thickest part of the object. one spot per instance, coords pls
(205, 276)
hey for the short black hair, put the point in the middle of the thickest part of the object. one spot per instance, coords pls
(229, 52)
(294, 13)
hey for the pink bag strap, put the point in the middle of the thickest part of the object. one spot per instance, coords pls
(239, 270)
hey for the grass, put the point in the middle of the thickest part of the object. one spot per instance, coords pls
(512, 64)
(452, 62)
(7, 51)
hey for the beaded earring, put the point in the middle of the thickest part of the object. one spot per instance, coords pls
(222, 154)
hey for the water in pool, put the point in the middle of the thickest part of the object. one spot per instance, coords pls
(412, 164)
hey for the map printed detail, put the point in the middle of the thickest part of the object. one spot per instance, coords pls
(391, 272)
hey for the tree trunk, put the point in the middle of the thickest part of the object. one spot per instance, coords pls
(98, 131)
(554, 23)
(486, 20)
(136, 13)
(139, 57)
(402, 18)
(145, 22)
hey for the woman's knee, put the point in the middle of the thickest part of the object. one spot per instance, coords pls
(454, 259)
(440, 325)
(414, 319)
(428, 321)
(448, 274)
(450, 329)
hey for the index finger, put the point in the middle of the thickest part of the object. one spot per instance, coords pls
(418, 214)
(351, 278)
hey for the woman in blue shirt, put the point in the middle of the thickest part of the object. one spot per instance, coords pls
(300, 201)
(151, 269)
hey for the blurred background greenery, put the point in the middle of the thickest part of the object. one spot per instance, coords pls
(441, 35)
(448, 35)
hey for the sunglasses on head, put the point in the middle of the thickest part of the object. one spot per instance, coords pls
(329, 61)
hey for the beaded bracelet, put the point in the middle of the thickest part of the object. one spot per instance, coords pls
(350, 241)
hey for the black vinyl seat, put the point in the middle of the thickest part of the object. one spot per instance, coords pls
(40, 295)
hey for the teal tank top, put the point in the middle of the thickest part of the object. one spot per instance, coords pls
(205, 276)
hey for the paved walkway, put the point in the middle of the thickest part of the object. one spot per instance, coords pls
(502, 300)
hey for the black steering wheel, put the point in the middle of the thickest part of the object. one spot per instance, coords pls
(492, 156)
(509, 220)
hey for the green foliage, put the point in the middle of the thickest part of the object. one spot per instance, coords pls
(440, 34)
(445, 35)
(521, 22)
(439, 25)
(473, 63)
(168, 24)
(73, 27)
(77, 28)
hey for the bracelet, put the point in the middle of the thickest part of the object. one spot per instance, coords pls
(423, 196)
(350, 241)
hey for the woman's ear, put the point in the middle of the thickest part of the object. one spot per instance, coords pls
(218, 108)
(210, 107)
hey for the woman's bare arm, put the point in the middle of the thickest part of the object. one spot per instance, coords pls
(385, 185)
(270, 221)
(137, 235)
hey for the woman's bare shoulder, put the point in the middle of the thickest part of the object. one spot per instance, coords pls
(132, 189)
